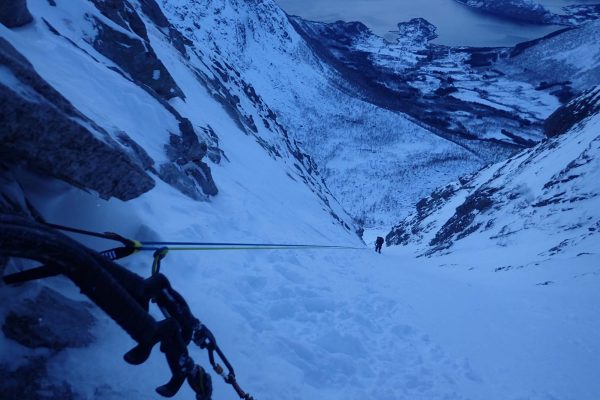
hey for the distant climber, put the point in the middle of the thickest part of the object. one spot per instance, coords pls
(378, 244)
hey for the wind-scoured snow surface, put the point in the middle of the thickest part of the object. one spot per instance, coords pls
(307, 324)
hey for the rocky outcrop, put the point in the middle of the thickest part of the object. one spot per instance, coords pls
(575, 111)
(49, 321)
(43, 131)
(401, 234)
(46, 324)
(187, 171)
(462, 223)
(78, 150)
(14, 13)
(30, 381)
(153, 11)
(133, 52)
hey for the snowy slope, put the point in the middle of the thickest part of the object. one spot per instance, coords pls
(365, 153)
(333, 324)
(296, 324)
(572, 56)
(62, 44)
(542, 201)
(336, 324)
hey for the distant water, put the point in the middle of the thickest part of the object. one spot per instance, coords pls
(457, 25)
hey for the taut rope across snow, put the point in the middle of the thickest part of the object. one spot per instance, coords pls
(132, 246)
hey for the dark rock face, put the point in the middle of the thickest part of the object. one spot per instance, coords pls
(31, 382)
(203, 176)
(402, 233)
(153, 11)
(574, 112)
(50, 321)
(40, 130)
(461, 223)
(188, 177)
(187, 171)
(14, 13)
(186, 148)
(135, 56)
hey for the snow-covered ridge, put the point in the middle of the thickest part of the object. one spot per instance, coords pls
(530, 11)
(520, 10)
(549, 193)
(568, 60)
(577, 110)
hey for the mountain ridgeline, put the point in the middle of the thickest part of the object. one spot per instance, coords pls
(357, 119)
(550, 189)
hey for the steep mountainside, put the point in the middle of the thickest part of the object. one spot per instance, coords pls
(374, 116)
(121, 87)
(540, 203)
(180, 121)
(364, 152)
(568, 61)
(519, 10)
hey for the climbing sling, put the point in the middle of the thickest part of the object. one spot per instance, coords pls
(124, 296)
